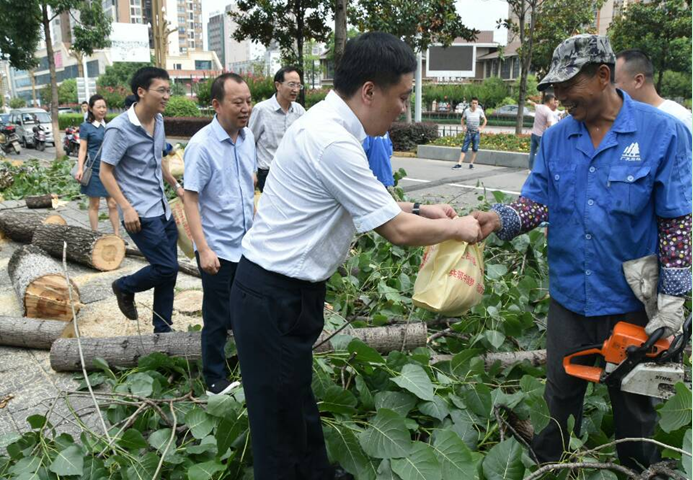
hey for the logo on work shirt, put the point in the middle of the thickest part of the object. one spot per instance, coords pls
(631, 153)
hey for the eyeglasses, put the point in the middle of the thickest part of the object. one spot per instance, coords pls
(293, 85)
(162, 91)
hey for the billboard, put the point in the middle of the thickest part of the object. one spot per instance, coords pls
(453, 61)
(130, 42)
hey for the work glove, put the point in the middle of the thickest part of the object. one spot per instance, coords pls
(642, 274)
(669, 315)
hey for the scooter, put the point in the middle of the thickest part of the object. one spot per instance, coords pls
(9, 141)
(71, 141)
(39, 138)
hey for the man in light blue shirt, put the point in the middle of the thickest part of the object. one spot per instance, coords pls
(132, 172)
(219, 167)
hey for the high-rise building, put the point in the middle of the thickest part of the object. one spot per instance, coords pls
(232, 54)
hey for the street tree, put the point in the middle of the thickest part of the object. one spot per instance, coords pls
(340, 30)
(288, 23)
(67, 92)
(92, 31)
(661, 29)
(119, 74)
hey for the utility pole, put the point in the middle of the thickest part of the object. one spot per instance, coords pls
(160, 32)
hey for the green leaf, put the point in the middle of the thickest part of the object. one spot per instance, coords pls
(420, 464)
(687, 465)
(160, 439)
(495, 338)
(602, 475)
(93, 469)
(496, 271)
(455, 459)
(539, 414)
(68, 462)
(415, 379)
(228, 430)
(463, 426)
(676, 412)
(25, 465)
(221, 406)
(199, 423)
(399, 402)
(504, 461)
(337, 400)
(387, 436)
(531, 386)
(206, 470)
(343, 447)
(132, 439)
(364, 353)
(478, 400)
(365, 395)
(438, 408)
(385, 471)
(141, 384)
(37, 422)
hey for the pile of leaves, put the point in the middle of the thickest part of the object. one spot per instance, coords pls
(31, 178)
(504, 142)
(436, 413)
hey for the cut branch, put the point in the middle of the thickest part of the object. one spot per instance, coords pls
(535, 357)
(20, 226)
(30, 332)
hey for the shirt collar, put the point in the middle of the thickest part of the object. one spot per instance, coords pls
(221, 134)
(132, 116)
(276, 106)
(624, 122)
(99, 124)
(347, 117)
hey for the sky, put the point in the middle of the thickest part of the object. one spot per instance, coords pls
(479, 14)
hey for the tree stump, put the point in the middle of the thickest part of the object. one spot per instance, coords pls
(30, 332)
(40, 201)
(126, 351)
(40, 285)
(20, 226)
(94, 249)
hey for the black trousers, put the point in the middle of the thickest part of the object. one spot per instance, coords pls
(276, 320)
(262, 178)
(216, 311)
(634, 415)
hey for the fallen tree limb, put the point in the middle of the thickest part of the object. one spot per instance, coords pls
(30, 332)
(40, 201)
(126, 351)
(535, 357)
(20, 226)
(184, 266)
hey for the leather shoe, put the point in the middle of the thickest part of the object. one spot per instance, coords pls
(126, 302)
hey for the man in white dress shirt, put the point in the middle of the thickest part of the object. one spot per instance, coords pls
(321, 193)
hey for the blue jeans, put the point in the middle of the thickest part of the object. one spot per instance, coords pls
(157, 241)
(472, 137)
(216, 317)
(533, 149)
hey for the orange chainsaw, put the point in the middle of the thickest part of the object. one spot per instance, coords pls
(635, 363)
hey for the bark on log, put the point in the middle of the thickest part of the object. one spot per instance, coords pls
(93, 249)
(126, 351)
(184, 266)
(20, 226)
(40, 201)
(40, 285)
(536, 358)
(30, 332)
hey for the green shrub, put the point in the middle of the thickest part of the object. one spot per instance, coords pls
(76, 119)
(406, 136)
(114, 96)
(504, 142)
(531, 88)
(204, 92)
(493, 90)
(261, 87)
(184, 126)
(676, 84)
(315, 96)
(504, 102)
(181, 107)
(17, 102)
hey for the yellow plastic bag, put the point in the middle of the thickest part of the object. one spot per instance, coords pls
(451, 278)
(185, 241)
(176, 165)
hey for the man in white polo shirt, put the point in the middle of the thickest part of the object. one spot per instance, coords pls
(321, 193)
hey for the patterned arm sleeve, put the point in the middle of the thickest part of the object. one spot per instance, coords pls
(675, 255)
(519, 217)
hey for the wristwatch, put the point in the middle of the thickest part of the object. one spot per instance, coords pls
(416, 209)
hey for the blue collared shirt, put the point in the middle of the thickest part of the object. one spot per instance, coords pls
(136, 158)
(221, 172)
(603, 202)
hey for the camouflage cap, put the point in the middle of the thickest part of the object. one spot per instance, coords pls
(573, 54)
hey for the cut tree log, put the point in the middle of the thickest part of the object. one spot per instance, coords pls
(126, 351)
(40, 201)
(536, 358)
(30, 332)
(183, 265)
(20, 226)
(40, 285)
(94, 249)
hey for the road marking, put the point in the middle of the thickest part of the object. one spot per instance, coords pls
(416, 180)
(488, 189)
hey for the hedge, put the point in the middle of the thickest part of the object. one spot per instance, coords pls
(76, 119)
(505, 142)
(406, 136)
(185, 126)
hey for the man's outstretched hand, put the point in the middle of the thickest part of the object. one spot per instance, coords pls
(489, 222)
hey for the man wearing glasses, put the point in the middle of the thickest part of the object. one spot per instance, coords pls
(132, 172)
(271, 118)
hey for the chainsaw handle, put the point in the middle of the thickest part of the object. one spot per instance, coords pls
(586, 372)
(678, 344)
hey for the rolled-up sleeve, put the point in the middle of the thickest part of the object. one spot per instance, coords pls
(114, 146)
(344, 172)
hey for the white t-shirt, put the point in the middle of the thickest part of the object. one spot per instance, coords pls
(473, 119)
(678, 111)
(319, 192)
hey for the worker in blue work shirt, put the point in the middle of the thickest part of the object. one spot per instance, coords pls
(614, 182)
(378, 151)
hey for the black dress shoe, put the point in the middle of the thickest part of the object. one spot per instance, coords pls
(126, 302)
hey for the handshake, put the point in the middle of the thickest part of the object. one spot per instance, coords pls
(472, 228)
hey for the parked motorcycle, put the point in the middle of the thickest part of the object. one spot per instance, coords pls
(39, 137)
(71, 141)
(9, 141)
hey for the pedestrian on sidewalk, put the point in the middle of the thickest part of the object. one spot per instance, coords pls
(133, 175)
(91, 135)
(544, 117)
(272, 118)
(219, 167)
(471, 122)
(320, 193)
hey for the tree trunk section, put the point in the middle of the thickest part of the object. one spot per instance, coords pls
(536, 358)
(20, 226)
(40, 201)
(40, 285)
(59, 152)
(93, 249)
(126, 351)
(30, 332)
(340, 31)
